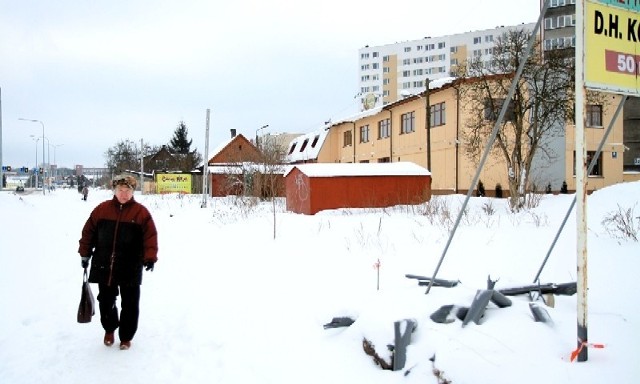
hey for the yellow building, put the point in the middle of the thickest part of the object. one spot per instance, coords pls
(397, 132)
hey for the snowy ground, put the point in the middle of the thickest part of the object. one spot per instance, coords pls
(229, 303)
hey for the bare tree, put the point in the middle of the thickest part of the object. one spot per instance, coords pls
(272, 154)
(269, 179)
(122, 156)
(536, 115)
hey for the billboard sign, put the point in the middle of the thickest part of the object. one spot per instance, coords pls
(612, 46)
(173, 183)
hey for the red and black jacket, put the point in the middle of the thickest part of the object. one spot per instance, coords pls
(119, 238)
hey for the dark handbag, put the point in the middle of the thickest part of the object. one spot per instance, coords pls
(86, 309)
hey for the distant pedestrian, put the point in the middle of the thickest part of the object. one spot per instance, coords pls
(120, 237)
(85, 193)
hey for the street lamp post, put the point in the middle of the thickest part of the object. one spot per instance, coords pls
(55, 176)
(257, 130)
(35, 169)
(46, 172)
(41, 123)
(33, 137)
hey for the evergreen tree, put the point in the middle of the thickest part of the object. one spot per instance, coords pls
(180, 143)
(180, 147)
(564, 188)
(480, 192)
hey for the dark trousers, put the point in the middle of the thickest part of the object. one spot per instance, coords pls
(127, 325)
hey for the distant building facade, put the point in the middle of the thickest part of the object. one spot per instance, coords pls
(397, 132)
(389, 72)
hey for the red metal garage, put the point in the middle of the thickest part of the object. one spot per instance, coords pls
(311, 188)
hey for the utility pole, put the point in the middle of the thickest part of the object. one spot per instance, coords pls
(428, 124)
(205, 166)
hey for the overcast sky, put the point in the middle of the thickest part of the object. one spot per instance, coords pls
(99, 72)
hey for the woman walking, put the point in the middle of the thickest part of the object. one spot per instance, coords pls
(119, 238)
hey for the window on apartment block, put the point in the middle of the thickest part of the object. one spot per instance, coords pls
(364, 133)
(594, 116)
(408, 122)
(561, 21)
(347, 139)
(477, 40)
(597, 169)
(492, 109)
(437, 115)
(549, 23)
(384, 129)
(384, 160)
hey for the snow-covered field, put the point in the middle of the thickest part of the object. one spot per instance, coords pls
(229, 303)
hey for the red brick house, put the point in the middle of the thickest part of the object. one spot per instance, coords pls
(236, 168)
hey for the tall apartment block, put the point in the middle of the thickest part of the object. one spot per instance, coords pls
(558, 33)
(558, 29)
(389, 72)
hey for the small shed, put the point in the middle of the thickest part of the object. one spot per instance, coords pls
(313, 187)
